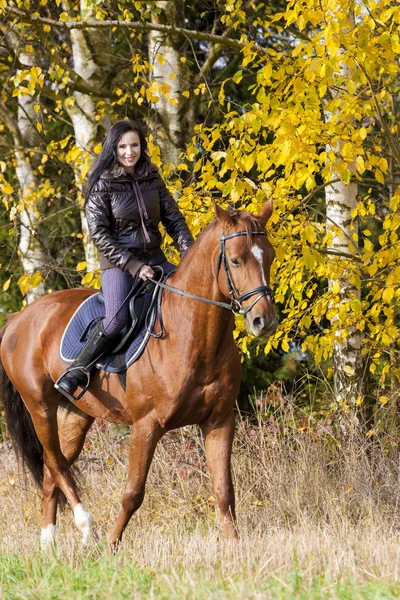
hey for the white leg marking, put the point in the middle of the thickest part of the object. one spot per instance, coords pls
(47, 536)
(84, 522)
(258, 253)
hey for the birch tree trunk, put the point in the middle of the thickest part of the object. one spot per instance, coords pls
(341, 199)
(91, 51)
(25, 135)
(168, 71)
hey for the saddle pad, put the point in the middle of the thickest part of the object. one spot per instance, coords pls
(71, 345)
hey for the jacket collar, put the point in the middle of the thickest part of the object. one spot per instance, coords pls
(118, 171)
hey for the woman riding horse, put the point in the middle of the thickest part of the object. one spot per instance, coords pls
(126, 199)
(189, 375)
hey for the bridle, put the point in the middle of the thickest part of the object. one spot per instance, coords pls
(237, 299)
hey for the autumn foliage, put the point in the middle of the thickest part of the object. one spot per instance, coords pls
(310, 97)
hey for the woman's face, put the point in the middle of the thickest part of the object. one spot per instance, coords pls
(128, 150)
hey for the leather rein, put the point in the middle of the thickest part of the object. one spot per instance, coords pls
(237, 299)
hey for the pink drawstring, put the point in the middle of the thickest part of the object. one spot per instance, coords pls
(142, 210)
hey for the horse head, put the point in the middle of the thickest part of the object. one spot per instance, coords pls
(244, 265)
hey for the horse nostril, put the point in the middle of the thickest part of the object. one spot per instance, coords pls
(258, 323)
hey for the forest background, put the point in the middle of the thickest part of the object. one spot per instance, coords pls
(243, 101)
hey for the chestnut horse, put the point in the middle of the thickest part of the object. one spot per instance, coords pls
(189, 376)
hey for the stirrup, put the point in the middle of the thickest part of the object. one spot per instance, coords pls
(64, 392)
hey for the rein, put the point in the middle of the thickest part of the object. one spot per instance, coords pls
(235, 304)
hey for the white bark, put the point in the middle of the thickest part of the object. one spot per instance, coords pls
(91, 55)
(25, 134)
(169, 47)
(341, 199)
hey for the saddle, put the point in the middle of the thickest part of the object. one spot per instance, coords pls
(144, 301)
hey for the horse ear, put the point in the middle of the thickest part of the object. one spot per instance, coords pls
(222, 216)
(266, 212)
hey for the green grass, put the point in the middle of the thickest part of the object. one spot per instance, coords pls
(316, 521)
(103, 576)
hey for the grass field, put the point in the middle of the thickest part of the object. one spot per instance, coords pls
(317, 520)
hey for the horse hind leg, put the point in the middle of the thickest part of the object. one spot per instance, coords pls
(38, 396)
(73, 426)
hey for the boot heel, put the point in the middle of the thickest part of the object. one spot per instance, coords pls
(66, 393)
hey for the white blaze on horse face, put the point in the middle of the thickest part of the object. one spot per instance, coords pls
(47, 536)
(258, 253)
(84, 522)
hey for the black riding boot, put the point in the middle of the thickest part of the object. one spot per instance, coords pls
(78, 372)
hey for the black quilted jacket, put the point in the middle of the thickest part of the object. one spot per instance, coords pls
(114, 220)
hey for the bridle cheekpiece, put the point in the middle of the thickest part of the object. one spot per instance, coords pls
(236, 297)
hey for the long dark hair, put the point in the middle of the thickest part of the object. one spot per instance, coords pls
(108, 155)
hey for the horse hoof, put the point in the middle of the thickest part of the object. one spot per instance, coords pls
(47, 539)
(90, 539)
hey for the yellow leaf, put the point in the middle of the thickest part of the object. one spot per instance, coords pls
(248, 161)
(81, 266)
(335, 289)
(348, 370)
(6, 285)
(360, 164)
(85, 168)
(74, 153)
(6, 188)
(3, 166)
(310, 234)
(356, 306)
(351, 86)
(23, 283)
(173, 101)
(383, 399)
(87, 278)
(388, 294)
(35, 279)
(39, 127)
(186, 94)
(161, 59)
(46, 28)
(383, 165)
(64, 142)
(362, 133)
(379, 177)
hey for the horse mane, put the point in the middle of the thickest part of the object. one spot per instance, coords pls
(248, 222)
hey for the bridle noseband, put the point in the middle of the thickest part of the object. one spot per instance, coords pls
(236, 298)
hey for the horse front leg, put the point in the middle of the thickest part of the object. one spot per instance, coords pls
(143, 441)
(218, 433)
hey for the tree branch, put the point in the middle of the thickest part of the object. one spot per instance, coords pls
(167, 29)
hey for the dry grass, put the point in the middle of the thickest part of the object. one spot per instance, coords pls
(304, 503)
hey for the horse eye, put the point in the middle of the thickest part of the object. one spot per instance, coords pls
(235, 262)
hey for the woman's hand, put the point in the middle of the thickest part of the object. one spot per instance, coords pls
(146, 272)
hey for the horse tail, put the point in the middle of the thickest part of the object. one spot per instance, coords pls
(19, 423)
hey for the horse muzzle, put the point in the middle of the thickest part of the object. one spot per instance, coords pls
(261, 324)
